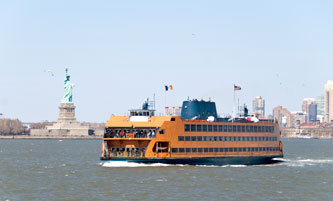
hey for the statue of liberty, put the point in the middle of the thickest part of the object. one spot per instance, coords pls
(68, 87)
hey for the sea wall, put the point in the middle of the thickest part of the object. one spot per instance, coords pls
(321, 133)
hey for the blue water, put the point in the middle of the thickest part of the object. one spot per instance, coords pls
(71, 170)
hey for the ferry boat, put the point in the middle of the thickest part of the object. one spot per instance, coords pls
(197, 137)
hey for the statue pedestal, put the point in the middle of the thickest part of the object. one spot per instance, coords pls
(67, 113)
(67, 119)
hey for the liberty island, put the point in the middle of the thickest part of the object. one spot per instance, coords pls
(66, 126)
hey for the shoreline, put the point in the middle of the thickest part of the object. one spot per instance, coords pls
(52, 138)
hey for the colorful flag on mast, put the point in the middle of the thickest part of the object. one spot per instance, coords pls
(167, 88)
(237, 88)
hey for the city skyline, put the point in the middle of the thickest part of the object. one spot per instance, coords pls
(119, 54)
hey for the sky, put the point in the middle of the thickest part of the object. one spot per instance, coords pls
(121, 52)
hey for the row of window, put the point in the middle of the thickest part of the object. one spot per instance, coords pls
(224, 149)
(227, 128)
(225, 138)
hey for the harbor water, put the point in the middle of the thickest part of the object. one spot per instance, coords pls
(71, 170)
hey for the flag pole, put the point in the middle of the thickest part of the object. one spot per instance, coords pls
(234, 108)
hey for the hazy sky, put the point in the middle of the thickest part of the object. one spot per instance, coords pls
(121, 52)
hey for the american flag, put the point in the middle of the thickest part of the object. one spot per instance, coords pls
(237, 88)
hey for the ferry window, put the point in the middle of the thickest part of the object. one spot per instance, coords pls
(180, 138)
(204, 128)
(239, 138)
(247, 138)
(193, 138)
(238, 128)
(230, 138)
(205, 149)
(216, 138)
(187, 128)
(181, 150)
(255, 129)
(234, 129)
(187, 138)
(204, 138)
(221, 138)
(272, 129)
(211, 149)
(199, 128)
(225, 128)
(231, 149)
(199, 138)
(216, 149)
(194, 150)
(244, 149)
(226, 149)
(266, 129)
(259, 138)
(215, 128)
(259, 129)
(211, 138)
(199, 150)
(251, 128)
(174, 150)
(226, 139)
(188, 150)
(255, 138)
(244, 138)
(229, 128)
(252, 149)
(243, 128)
(173, 119)
(235, 138)
(235, 149)
(252, 138)
(161, 131)
(247, 128)
(220, 128)
(210, 128)
(193, 128)
(256, 149)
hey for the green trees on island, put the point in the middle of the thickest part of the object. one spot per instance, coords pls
(11, 127)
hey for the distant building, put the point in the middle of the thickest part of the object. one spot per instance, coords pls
(312, 115)
(283, 116)
(259, 107)
(328, 101)
(298, 118)
(172, 111)
(306, 109)
(320, 104)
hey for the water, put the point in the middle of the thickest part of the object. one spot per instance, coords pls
(71, 170)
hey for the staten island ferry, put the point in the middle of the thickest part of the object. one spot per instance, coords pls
(196, 137)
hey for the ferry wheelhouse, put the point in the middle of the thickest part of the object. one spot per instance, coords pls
(197, 137)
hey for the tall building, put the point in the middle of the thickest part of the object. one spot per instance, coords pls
(328, 101)
(306, 109)
(320, 104)
(283, 116)
(259, 107)
(312, 115)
